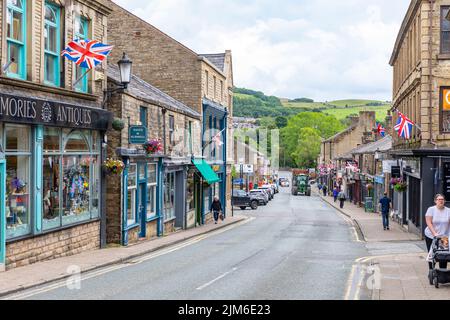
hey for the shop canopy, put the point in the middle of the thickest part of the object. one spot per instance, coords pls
(206, 171)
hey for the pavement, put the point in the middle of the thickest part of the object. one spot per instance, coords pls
(42, 273)
(398, 259)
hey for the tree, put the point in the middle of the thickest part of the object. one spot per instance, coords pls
(308, 148)
(281, 122)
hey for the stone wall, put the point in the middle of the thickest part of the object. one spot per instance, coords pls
(53, 245)
(157, 58)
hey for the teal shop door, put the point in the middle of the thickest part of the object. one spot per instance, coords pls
(2, 215)
(142, 207)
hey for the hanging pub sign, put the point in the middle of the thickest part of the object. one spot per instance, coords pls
(51, 113)
(395, 172)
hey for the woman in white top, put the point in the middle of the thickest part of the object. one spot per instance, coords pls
(438, 222)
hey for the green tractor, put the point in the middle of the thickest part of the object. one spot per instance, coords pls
(301, 185)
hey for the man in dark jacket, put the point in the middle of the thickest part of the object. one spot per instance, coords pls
(216, 208)
(386, 205)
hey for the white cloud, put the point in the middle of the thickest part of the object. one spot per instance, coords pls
(322, 49)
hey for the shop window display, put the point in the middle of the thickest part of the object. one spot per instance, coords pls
(190, 201)
(131, 195)
(71, 177)
(169, 196)
(151, 190)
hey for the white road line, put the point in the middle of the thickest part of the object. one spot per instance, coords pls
(93, 274)
(216, 279)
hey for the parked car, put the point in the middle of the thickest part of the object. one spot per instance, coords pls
(269, 189)
(261, 195)
(243, 200)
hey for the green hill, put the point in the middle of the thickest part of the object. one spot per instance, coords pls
(255, 104)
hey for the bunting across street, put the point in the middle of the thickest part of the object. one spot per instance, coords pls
(87, 53)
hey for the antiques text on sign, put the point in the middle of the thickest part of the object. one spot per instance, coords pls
(36, 111)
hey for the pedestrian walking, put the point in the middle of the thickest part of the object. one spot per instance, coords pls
(216, 208)
(386, 205)
(335, 194)
(342, 198)
(324, 189)
(438, 224)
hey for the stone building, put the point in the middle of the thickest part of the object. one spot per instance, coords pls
(203, 82)
(150, 205)
(332, 149)
(52, 132)
(421, 84)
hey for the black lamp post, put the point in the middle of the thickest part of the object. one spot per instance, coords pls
(125, 78)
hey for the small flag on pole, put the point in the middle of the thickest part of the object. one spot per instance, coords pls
(381, 130)
(87, 53)
(216, 139)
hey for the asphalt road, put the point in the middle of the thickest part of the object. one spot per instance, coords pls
(295, 248)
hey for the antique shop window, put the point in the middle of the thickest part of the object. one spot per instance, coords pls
(169, 196)
(81, 33)
(151, 190)
(71, 177)
(16, 38)
(445, 30)
(18, 157)
(131, 194)
(52, 46)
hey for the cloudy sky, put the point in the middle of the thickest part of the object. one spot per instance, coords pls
(321, 49)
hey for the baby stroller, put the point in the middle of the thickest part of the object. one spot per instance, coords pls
(439, 252)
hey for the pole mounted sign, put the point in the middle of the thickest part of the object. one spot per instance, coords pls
(137, 135)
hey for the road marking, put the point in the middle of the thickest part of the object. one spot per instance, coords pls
(216, 279)
(132, 262)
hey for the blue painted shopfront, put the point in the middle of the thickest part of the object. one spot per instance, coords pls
(142, 196)
(214, 122)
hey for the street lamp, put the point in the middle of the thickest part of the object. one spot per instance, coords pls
(125, 78)
(125, 70)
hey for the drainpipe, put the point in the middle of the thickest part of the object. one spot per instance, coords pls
(164, 130)
(430, 52)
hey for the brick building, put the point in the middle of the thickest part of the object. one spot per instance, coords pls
(202, 82)
(421, 83)
(51, 132)
(146, 201)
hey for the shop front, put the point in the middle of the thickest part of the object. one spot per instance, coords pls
(141, 196)
(50, 177)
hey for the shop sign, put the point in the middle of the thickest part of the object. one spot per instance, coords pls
(247, 168)
(388, 164)
(447, 180)
(396, 172)
(379, 179)
(137, 135)
(50, 113)
(216, 167)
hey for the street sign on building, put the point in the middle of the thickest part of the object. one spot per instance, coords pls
(247, 168)
(137, 135)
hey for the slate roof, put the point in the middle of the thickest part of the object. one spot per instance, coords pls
(143, 90)
(381, 145)
(217, 59)
(341, 134)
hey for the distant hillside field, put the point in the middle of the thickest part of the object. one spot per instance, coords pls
(341, 114)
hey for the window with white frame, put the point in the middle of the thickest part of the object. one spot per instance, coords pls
(131, 194)
(151, 190)
(169, 196)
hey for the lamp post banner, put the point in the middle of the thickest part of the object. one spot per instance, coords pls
(51, 113)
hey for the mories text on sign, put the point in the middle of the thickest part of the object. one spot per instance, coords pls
(50, 113)
(447, 180)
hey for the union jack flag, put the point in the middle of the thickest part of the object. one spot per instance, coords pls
(404, 126)
(87, 53)
(381, 130)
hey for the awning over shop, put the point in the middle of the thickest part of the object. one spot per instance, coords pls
(206, 171)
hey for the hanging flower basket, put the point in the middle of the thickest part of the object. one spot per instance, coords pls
(118, 124)
(401, 186)
(114, 166)
(153, 146)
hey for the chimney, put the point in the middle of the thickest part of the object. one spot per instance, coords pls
(389, 126)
